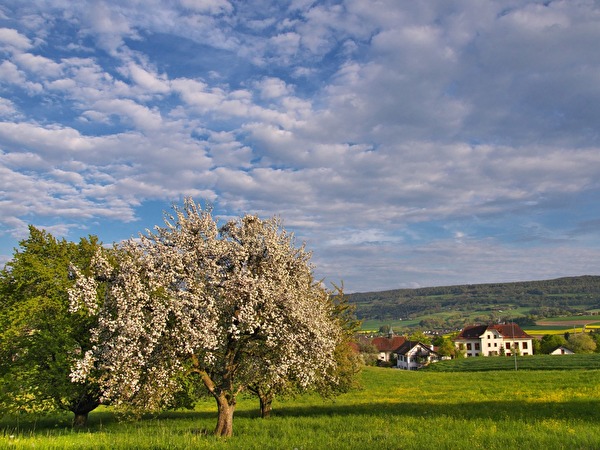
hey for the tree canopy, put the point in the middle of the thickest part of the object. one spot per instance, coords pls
(39, 338)
(551, 341)
(235, 305)
(581, 343)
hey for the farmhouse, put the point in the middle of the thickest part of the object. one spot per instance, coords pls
(414, 355)
(495, 339)
(387, 345)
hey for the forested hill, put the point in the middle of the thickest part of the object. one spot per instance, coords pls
(571, 293)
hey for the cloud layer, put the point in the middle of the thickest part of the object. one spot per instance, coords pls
(409, 144)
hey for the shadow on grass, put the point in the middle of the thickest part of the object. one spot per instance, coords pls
(584, 410)
(98, 420)
(507, 409)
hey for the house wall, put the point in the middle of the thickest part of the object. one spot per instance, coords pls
(410, 360)
(562, 351)
(472, 347)
(405, 362)
(491, 343)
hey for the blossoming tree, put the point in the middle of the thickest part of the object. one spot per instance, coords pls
(340, 377)
(235, 305)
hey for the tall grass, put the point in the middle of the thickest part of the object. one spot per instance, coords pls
(394, 409)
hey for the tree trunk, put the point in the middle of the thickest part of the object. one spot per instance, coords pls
(224, 395)
(266, 403)
(80, 419)
(82, 405)
(226, 405)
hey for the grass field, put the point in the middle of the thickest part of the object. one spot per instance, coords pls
(538, 363)
(498, 409)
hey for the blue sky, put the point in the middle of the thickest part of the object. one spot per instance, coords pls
(408, 143)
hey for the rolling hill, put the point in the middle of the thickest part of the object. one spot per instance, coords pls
(453, 306)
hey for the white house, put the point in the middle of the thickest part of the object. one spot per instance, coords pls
(414, 355)
(560, 350)
(496, 339)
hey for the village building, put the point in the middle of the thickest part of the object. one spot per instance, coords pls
(495, 339)
(386, 346)
(413, 355)
(560, 350)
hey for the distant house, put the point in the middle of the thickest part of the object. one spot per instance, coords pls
(386, 346)
(496, 339)
(560, 350)
(413, 355)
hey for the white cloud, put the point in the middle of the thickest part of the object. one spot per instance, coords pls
(40, 65)
(7, 108)
(358, 237)
(208, 6)
(148, 81)
(271, 88)
(141, 116)
(108, 25)
(398, 139)
(13, 40)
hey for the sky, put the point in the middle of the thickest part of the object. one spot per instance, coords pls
(407, 143)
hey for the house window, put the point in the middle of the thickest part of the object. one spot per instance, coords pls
(489, 344)
(507, 345)
(469, 355)
(495, 344)
(477, 346)
(489, 336)
(516, 344)
(524, 345)
(469, 346)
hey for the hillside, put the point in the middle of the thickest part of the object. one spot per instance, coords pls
(534, 299)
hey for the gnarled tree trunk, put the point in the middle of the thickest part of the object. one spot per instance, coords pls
(225, 398)
(80, 420)
(266, 403)
(82, 406)
(226, 406)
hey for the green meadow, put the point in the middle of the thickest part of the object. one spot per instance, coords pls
(487, 409)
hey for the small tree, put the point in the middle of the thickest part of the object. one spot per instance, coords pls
(39, 339)
(340, 378)
(419, 336)
(551, 341)
(581, 343)
(235, 305)
(595, 335)
(460, 352)
(368, 352)
(446, 347)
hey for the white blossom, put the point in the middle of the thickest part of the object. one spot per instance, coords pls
(237, 303)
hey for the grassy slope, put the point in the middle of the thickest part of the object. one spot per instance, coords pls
(396, 409)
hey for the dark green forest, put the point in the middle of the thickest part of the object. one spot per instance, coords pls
(546, 298)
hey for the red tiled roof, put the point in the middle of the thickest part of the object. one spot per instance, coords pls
(385, 344)
(507, 330)
(354, 346)
(408, 345)
(472, 332)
